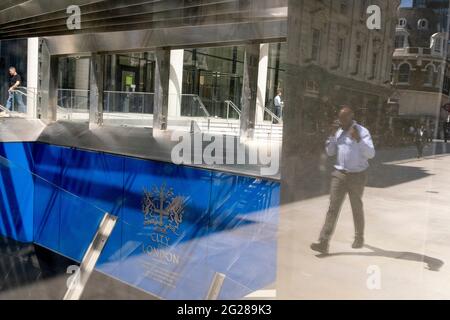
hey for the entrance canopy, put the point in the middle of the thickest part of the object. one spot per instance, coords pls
(141, 24)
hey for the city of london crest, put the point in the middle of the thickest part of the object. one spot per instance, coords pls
(163, 209)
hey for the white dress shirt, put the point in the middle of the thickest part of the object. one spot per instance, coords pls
(352, 156)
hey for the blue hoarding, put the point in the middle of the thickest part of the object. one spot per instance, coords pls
(177, 225)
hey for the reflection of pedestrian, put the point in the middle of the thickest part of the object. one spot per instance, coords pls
(13, 96)
(353, 146)
(412, 133)
(431, 135)
(419, 140)
(278, 103)
(446, 131)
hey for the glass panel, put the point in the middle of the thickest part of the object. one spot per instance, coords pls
(128, 108)
(44, 233)
(73, 104)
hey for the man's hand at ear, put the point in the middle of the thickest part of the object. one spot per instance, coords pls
(354, 133)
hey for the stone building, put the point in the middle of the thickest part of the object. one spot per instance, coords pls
(420, 65)
(343, 62)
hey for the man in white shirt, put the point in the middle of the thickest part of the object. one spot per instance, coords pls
(353, 146)
(278, 102)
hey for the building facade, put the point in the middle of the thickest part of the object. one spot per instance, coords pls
(344, 63)
(420, 66)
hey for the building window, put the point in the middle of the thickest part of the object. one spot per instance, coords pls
(400, 41)
(340, 52)
(422, 24)
(437, 45)
(363, 8)
(402, 22)
(373, 71)
(312, 86)
(429, 79)
(420, 3)
(315, 45)
(392, 73)
(404, 73)
(358, 57)
(343, 7)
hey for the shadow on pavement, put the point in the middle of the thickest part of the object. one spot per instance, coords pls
(432, 264)
(384, 175)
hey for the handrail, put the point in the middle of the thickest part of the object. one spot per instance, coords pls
(29, 93)
(234, 106)
(76, 90)
(26, 91)
(4, 109)
(273, 116)
(130, 92)
(202, 106)
(62, 109)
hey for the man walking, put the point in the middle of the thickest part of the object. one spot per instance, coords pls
(420, 139)
(353, 146)
(14, 82)
(278, 103)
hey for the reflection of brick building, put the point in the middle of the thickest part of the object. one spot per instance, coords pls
(343, 62)
(420, 64)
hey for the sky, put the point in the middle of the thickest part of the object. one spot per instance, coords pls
(406, 3)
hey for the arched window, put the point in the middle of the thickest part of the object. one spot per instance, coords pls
(402, 22)
(404, 73)
(422, 24)
(429, 78)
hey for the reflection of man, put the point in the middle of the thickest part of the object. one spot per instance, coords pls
(14, 82)
(419, 140)
(278, 102)
(446, 131)
(353, 146)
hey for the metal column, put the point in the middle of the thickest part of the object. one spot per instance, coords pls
(96, 80)
(161, 98)
(249, 91)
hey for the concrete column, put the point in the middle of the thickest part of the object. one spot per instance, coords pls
(162, 74)
(32, 76)
(249, 91)
(299, 172)
(96, 80)
(262, 81)
(47, 84)
(53, 89)
(175, 82)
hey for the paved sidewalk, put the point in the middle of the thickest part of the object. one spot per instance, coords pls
(407, 208)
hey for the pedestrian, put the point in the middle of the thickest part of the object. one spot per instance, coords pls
(419, 140)
(446, 131)
(353, 146)
(412, 132)
(278, 103)
(431, 135)
(14, 97)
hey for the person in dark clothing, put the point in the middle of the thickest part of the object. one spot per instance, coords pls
(420, 140)
(14, 98)
(446, 130)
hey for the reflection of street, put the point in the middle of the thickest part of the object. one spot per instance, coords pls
(407, 235)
